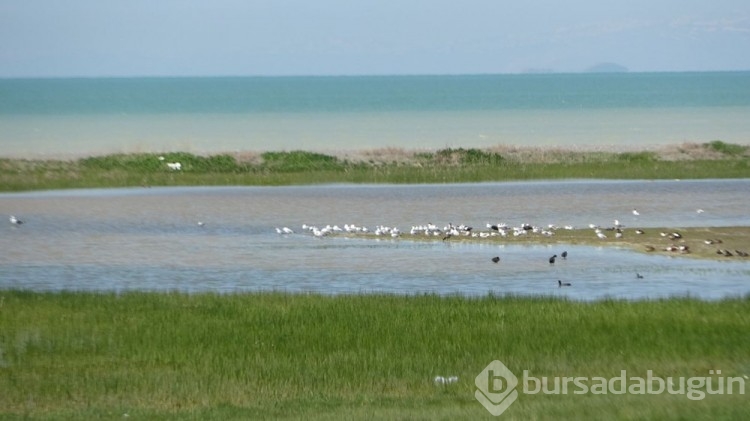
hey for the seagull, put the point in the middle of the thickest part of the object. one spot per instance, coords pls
(201, 223)
(15, 221)
(635, 212)
(496, 259)
(561, 284)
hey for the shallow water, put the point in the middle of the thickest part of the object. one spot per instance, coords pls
(61, 136)
(149, 239)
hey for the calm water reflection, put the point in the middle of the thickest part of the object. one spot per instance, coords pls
(149, 239)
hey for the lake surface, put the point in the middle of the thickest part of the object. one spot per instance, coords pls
(73, 117)
(150, 239)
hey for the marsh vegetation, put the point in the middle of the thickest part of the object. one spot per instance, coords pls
(716, 159)
(293, 356)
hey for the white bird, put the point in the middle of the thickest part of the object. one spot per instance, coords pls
(635, 212)
(175, 166)
(15, 221)
(287, 230)
(699, 211)
(601, 235)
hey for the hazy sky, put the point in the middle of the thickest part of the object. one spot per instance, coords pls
(304, 37)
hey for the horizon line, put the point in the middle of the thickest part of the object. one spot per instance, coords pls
(356, 75)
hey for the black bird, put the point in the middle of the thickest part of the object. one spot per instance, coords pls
(638, 275)
(496, 259)
(495, 228)
(552, 259)
(561, 284)
(564, 254)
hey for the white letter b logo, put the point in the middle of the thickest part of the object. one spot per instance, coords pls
(496, 388)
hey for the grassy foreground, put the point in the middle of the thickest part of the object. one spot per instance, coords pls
(276, 356)
(715, 159)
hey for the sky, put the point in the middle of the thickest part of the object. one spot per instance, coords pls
(92, 38)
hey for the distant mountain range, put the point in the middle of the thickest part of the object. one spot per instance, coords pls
(597, 68)
(607, 68)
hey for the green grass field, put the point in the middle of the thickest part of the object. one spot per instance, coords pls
(710, 160)
(298, 356)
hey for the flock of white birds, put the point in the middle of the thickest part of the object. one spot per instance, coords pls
(431, 230)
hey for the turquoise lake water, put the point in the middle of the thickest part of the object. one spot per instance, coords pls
(57, 117)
